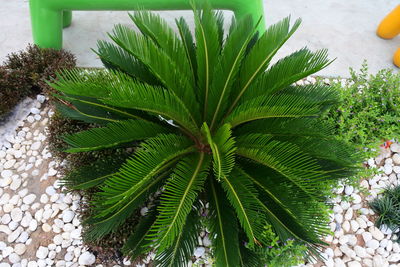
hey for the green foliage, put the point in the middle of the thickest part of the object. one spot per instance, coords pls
(25, 73)
(211, 121)
(281, 254)
(387, 206)
(369, 110)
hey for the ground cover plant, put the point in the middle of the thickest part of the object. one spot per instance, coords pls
(369, 111)
(212, 121)
(25, 73)
(387, 207)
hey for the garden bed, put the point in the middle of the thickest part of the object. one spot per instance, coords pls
(40, 222)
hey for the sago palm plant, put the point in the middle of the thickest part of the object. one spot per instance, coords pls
(213, 123)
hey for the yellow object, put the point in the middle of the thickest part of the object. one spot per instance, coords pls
(390, 28)
(396, 58)
(390, 25)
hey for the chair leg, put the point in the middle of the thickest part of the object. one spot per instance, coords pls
(253, 8)
(390, 25)
(67, 18)
(46, 25)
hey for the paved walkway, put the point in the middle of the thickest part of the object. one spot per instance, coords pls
(346, 28)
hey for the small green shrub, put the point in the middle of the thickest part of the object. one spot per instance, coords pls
(211, 121)
(280, 253)
(25, 73)
(369, 111)
(387, 207)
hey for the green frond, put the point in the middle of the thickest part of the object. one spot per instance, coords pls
(94, 174)
(288, 70)
(223, 149)
(223, 227)
(94, 108)
(274, 106)
(116, 58)
(208, 42)
(242, 196)
(114, 134)
(81, 82)
(248, 257)
(288, 129)
(155, 28)
(167, 71)
(283, 206)
(181, 251)
(75, 114)
(137, 244)
(260, 56)
(316, 93)
(177, 199)
(139, 176)
(227, 69)
(188, 43)
(126, 93)
(315, 137)
(285, 158)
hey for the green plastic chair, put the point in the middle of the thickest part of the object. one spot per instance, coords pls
(50, 16)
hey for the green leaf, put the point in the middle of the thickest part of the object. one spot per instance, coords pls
(177, 199)
(188, 43)
(227, 69)
(260, 56)
(207, 52)
(94, 174)
(141, 175)
(288, 70)
(159, 62)
(127, 93)
(155, 28)
(284, 206)
(137, 245)
(242, 196)
(248, 257)
(179, 254)
(93, 108)
(223, 149)
(114, 134)
(76, 114)
(274, 106)
(116, 58)
(223, 227)
(285, 158)
(81, 82)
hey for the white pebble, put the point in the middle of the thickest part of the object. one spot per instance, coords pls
(68, 216)
(86, 258)
(199, 252)
(29, 199)
(33, 225)
(374, 244)
(348, 190)
(16, 214)
(20, 249)
(376, 233)
(42, 252)
(50, 190)
(41, 98)
(395, 147)
(14, 258)
(6, 174)
(35, 111)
